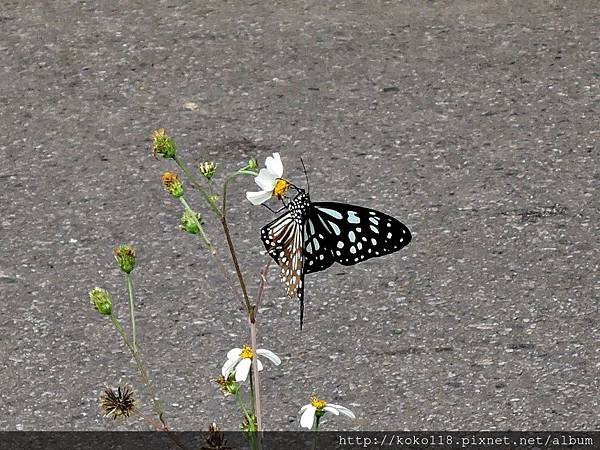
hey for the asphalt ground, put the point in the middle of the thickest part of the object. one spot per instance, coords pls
(474, 123)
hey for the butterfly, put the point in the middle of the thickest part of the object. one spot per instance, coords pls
(311, 236)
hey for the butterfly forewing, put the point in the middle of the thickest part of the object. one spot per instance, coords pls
(355, 234)
(317, 252)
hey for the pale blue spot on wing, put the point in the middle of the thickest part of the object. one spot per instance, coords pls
(331, 212)
(352, 217)
(335, 228)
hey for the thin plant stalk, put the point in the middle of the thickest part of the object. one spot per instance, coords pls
(131, 311)
(243, 407)
(236, 264)
(212, 248)
(142, 370)
(197, 185)
(255, 379)
(255, 374)
(234, 258)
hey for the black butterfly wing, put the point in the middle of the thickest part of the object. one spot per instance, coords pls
(352, 234)
(283, 239)
(318, 253)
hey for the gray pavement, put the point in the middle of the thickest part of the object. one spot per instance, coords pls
(475, 123)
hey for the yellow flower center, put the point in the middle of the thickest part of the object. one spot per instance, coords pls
(281, 188)
(247, 352)
(317, 403)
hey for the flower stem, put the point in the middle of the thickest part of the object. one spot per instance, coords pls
(261, 287)
(142, 370)
(202, 235)
(236, 264)
(209, 245)
(245, 411)
(255, 379)
(131, 311)
(196, 184)
(223, 217)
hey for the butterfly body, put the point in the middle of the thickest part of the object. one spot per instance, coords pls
(310, 237)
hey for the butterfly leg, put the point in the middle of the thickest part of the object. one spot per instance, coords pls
(273, 211)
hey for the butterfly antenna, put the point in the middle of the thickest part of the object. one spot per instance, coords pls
(305, 175)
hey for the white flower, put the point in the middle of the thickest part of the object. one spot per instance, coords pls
(239, 361)
(318, 408)
(270, 181)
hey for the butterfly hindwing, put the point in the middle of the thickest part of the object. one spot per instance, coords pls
(284, 240)
(356, 234)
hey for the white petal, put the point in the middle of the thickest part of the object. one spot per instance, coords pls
(303, 408)
(228, 366)
(242, 369)
(266, 180)
(257, 198)
(342, 409)
(269, 355)
(274, 165)
(259, 364)
(307, 419)
(331, 410)
(234, 353)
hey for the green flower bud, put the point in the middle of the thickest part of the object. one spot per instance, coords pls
(190, 222)
(100, 299)
(172, 184)
(125, 257)
(163, 144)
(208, 169)
(213, 199)
(252, 164)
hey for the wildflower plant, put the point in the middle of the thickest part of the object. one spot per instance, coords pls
(239, 376)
